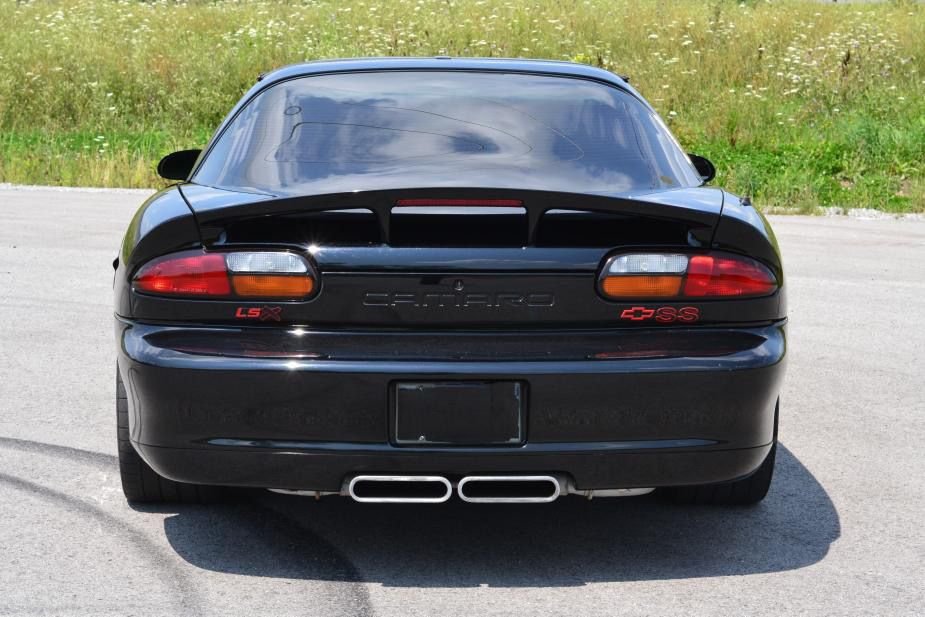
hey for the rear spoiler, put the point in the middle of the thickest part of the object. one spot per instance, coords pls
(698, 208)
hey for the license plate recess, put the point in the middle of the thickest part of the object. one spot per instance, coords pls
(457, 413)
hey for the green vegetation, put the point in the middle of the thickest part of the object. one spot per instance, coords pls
(799, 104)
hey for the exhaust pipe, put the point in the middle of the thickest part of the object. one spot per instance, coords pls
(509, 489)
(610, 492)
(399, 489)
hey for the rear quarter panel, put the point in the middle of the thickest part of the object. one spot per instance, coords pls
(743, 229)
(164, 223)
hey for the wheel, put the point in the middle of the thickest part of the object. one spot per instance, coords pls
(745, 492)
(140, 483)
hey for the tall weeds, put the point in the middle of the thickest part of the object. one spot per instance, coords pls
(799, 103)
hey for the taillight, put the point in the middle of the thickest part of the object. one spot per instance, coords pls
(639, 276)
(709, 275)
(269, 275)
(189, 274)
(264, 274)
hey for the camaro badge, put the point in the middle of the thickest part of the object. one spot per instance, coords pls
(459, 300)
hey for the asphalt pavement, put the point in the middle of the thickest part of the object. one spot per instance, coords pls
(841, 532)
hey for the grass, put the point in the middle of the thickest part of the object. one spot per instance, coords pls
(799, 104)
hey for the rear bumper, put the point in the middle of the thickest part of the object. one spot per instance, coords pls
(305, 410)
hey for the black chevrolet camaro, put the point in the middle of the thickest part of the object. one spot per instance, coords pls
(400, 279)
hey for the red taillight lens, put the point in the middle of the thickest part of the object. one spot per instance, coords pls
(637, 276)
(263, 274)
(197, 274)
(711, 276)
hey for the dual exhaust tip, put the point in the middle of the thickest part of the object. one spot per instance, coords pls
(437, 489)
(471, 489)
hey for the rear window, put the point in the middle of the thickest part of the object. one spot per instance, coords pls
(406, 129)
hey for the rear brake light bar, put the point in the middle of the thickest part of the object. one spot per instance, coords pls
(636, 276)
(485, 203)
(257, 274)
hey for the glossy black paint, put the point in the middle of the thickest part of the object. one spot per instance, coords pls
(178, 165)
(319, 400)
(303, 403)
(697, 208)
(163, 224)
(321, 468)
(419, 299)
(704, 166)
(349, 274)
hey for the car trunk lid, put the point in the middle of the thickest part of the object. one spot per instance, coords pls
(439, 257)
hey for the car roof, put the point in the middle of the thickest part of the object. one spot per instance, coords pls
(444, 63)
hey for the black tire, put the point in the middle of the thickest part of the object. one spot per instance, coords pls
(745, 492)
(140, 483)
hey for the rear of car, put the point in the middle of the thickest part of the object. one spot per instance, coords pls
(399, 280)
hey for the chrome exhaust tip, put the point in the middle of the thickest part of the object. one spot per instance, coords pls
(399, 489)
(509, 489)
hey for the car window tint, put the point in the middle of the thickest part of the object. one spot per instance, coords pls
(401, 129)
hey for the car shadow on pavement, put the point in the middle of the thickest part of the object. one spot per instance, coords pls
(571, 542)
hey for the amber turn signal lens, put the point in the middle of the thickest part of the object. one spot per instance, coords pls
(641, 286)
(272, 286)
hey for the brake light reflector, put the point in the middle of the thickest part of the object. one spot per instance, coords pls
(673, 275)
(197, 274)
(263, 274)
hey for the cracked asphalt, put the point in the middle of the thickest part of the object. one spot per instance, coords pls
(841, 532)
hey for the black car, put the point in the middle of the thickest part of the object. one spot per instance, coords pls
(396, 279)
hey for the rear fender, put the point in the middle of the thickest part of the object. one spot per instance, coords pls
(743, 229)
(163, 224)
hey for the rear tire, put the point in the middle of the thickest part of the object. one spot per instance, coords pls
(744, 492)
(140, 483)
